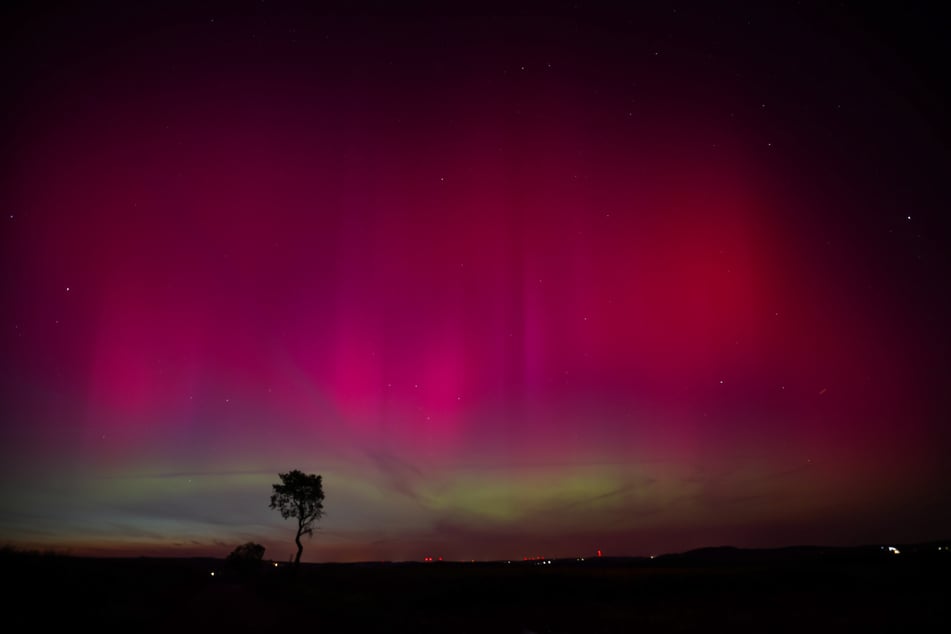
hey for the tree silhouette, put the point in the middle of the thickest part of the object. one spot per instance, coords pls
(246, 557)
(302, 496)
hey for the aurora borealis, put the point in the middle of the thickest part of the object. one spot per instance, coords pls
(640, 281)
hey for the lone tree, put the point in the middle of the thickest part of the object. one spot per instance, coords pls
(302, 496)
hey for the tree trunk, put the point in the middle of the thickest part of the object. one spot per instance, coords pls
(300, 549)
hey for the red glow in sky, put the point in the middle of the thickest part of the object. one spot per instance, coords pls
(509, 284)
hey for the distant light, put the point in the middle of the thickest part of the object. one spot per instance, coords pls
(212, 573)
(599, 552)
(275, 564)
(894, 550)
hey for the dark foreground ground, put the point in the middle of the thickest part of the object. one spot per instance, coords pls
(720, 590)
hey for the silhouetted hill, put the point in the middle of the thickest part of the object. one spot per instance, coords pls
(730, 555)
(720, 589)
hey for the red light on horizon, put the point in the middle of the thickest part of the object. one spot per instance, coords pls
(599, 552)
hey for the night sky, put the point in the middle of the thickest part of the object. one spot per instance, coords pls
(636, 281)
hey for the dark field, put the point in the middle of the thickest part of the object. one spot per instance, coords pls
(791, 590)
